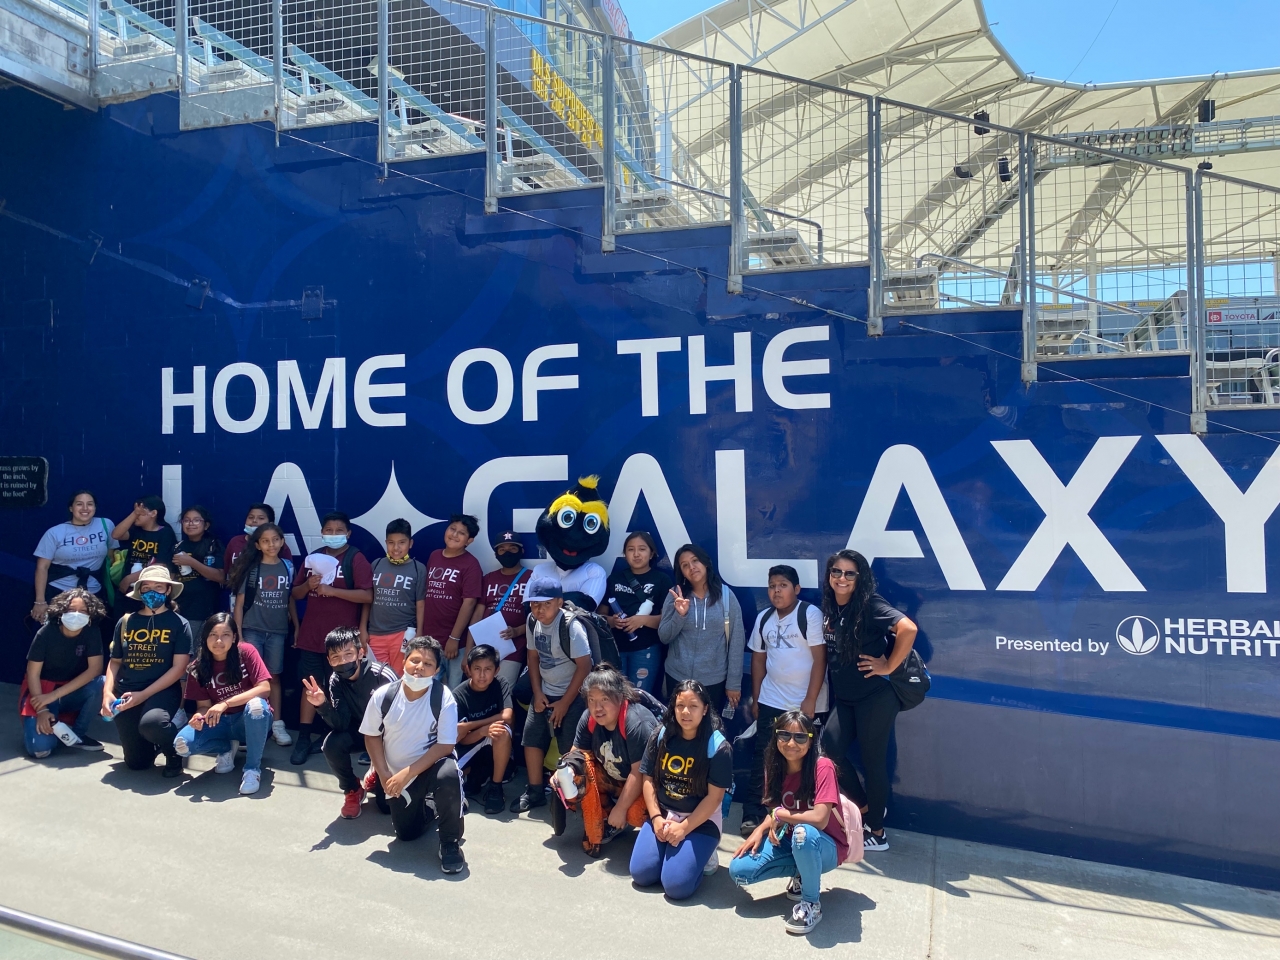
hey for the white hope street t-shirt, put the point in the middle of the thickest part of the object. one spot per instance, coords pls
(410, 728)
(789, 659)
(73, 546)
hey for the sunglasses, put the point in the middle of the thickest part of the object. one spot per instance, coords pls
(787, 736)
(846, 574)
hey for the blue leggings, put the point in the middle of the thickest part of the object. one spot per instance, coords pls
(678, 868)
(805, 850)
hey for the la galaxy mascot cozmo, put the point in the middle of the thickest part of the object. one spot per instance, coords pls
(573, 529)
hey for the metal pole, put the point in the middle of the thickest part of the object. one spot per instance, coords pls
(95, 36)
(1195, 304)
(1026, 254)
(737, 216)
(609, 214)
(180, 47)
(277, 57)
(383, 86)
(491, 110)
(875, 247)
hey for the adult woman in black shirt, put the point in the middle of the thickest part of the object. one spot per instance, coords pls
(149, 655)
(867, 640)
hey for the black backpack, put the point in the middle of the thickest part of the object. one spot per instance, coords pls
(802, 619)
(254, 574)
(911, 680)
(388, 696)
(604, 648)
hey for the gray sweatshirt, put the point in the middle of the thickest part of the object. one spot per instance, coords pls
(698, 647)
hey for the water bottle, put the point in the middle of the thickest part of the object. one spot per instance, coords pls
(568, 789)
(645, 609)
(617, 609)
(729, 710)
(116, 704)
(65, 734)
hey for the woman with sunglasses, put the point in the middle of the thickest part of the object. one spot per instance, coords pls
(866, 641)
(801, 836)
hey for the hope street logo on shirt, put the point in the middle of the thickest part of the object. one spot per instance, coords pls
(144, 547)
(388, 585)
(142, 646)
(678, 784)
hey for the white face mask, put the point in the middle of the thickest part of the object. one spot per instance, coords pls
(75, 620)
(416, 684)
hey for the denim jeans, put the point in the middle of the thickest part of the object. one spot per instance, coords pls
(641, 667)
(249, 730)
(85, 703)
(453, 668)
(806, 850)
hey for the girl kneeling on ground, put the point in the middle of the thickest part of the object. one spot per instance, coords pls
(801, 837)
(687, 768)
(230, 685)
(601, 774)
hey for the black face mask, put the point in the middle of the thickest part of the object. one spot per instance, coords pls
(346, 671)
(510, 560)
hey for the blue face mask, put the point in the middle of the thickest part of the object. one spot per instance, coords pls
(335, 543)
(248, 530)
(154, 599)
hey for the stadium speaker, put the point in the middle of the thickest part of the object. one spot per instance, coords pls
(982, 117)
(1208, 110)
(1005, 169)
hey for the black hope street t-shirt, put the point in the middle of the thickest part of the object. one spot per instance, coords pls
(615, 752)
(64, 658)
(151, 546)
(146, 646)
(200, 595)
(847, 681)
(631, 590)
(476, 705)
(675, 759)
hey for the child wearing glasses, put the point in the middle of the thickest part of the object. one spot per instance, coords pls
(801, 836)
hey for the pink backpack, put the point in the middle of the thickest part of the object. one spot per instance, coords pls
(850, 817)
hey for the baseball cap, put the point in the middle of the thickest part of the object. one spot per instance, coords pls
(543, 588)
(507, 536)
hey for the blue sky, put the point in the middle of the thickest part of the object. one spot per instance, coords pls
(1052, 38)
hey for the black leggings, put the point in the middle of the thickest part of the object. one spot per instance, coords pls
(870, 722)
(149, 727)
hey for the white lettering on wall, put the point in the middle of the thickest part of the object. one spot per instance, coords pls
(333, 380)
(493, 474)
(194, 400)
(289, 487)
(731, 529)
(455, 391)
(365, 390)
(261, 401)
(1066, 514)
(774, 368)
(532, 382)
(642, 474)
(1244, 515)
(648, 350)
(739, 372)
(904, 468)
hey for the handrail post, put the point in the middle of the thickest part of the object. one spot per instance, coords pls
(875, 247)
(1195, 303)
(277, 58)
(608, 215)
(737, 216)
(383, 86)
(1027, 254)
(490, 110)
(180, 27)
(95, 36)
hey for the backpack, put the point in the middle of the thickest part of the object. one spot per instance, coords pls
(252, 577)
(388, 694)
(849, 817)
(604, 648)
(802, 619)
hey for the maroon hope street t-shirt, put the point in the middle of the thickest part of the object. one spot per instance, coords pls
(325, 613)
(494, 586)
(450, 580)
(252, 672)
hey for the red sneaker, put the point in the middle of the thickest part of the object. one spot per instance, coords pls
(351, 803)
(370, 780)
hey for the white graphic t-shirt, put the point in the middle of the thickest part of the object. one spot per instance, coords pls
(73, 546)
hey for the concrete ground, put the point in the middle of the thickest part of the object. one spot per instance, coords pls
(191, 867)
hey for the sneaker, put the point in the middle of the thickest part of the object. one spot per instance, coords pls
(363, 759)
(451, 858)
(712, 865)
(181, 747)
(793, 889)
(88, 743)
(172, 766)
(612, 833)
(250, 782)
(280, 734)
(225, 762)
(370, 780)
(351, 801)
(804, 917)
(301, 750)
(749, 822)
(317, 745)
(529, 798)
(495, 801)
(871, 842)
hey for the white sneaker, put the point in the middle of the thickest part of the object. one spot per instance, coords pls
(250, 782)
(804, 917)
(226, 762)
(870, 842)
(280, 734)
(712, 865)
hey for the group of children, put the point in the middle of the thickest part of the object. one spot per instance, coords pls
(387, 662)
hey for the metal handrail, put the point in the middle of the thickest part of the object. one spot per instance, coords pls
(78, 939)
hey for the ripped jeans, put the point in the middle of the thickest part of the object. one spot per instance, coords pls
(641, 667)
(805, 851)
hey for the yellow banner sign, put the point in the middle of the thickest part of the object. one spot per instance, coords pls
(549, 87)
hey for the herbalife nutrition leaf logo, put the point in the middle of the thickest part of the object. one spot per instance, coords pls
(1137, 635)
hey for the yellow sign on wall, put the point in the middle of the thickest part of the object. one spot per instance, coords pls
(549, 87)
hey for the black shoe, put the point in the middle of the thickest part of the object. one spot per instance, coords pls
(451, 858)
(363, 759)
(172, 766)
(88, 743)
(559, 815)
(612, 833)
(301, 750)
(529, 798)
(749, 822)
(495, 801)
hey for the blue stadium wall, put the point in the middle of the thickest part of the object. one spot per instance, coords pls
(1103, 682)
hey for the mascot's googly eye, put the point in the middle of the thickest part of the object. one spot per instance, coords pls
(591, 523)
(567, 516)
